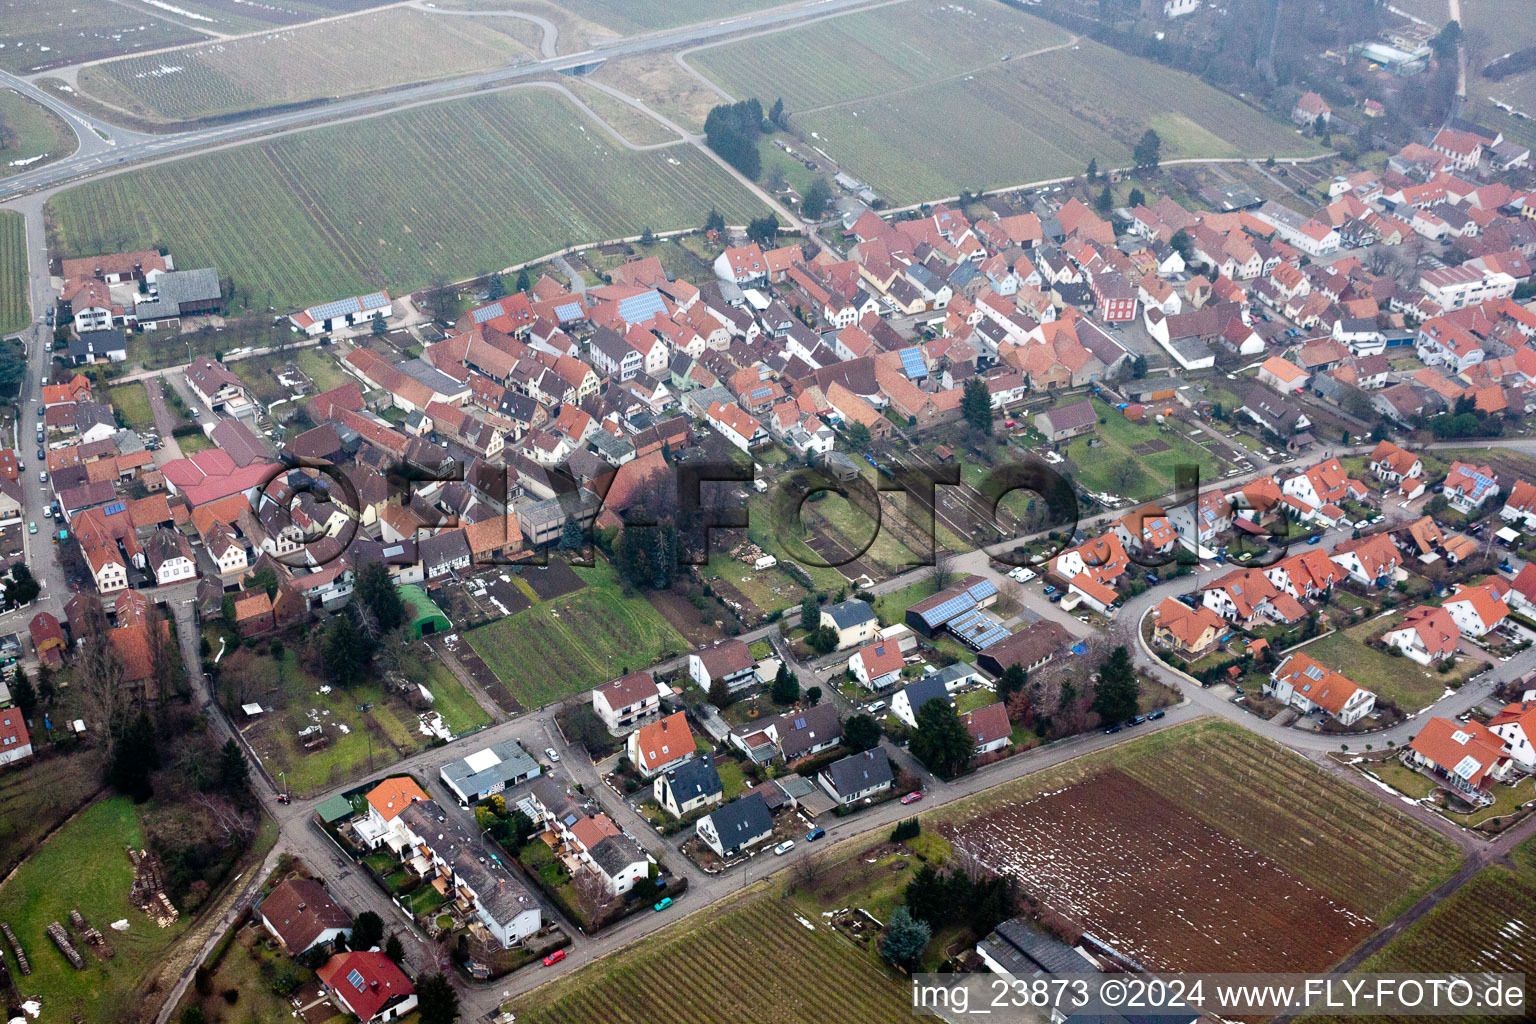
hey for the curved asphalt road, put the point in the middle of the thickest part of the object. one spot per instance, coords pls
(130, 146)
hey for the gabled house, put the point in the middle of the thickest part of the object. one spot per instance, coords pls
(854, 620)
(989, 728)
(730, 660)
(1465, 757)
(909, 700)
(1369, 561)
(368, 986)
(878, 665)
(1478, 610)
(1192, 632)
(1311, 688)
(1467, 486)
(1520, 506)
(1515, 724)
(626, 702)
(1425, 635)
(657, 746)
(857, 777)
(689, 786)
(738, 825)
(301, 915)
(1248, 598)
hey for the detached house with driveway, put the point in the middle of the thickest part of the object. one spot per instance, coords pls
(1465, 757)
(731, 661)
(1478, 610)
(301, 915)
(739, 825)
(854, 620)
(624, 703)
(857, 777)
(878, 665)
(1314, 689)
(1426, 635)
(1467, 487)
(660, 745)
(691, 785)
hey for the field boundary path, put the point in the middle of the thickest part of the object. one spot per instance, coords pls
(547, 45)
(467, 681)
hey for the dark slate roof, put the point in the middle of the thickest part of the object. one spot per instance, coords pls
(741, 820)
(858, 772)
(694, 778)
(921, 691)
(850, 613)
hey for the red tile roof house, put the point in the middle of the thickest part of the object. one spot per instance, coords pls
(661, 745)
(1315, 689)
(1248, 598)
(15, 742)
(877, 666)
(1478, 610)
(1425, 635)
(301, 915)
(1465, 757)
(369, 986)
(989, 728)
(47, 638)
(730, 660)
(626, 702)
(1515, 724)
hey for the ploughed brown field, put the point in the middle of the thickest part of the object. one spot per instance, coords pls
(1159, 884)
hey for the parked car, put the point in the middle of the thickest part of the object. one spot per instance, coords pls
(1152, 577)
(662, 904)
(784, 847)
(1112, 729)
(41, 455)
(32, 527)
(42, 477)
(1314, 538)
(815, 834)
(878, 705)
(1138, 720)
(552, 754)
(912, 797)
(554, 957)
(48, 512)
(1155, 715)
(1054, 598)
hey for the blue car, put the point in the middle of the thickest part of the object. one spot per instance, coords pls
(1314, 538)
(815, 834)
(1050, 589)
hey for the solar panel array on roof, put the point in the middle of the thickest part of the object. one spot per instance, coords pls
(568, 311)
(946, 610)
(485, 313)
(977, 629)
(341, 307)
(356, 978)
(912, 363)
(641, 307)
(114, 508)
(761, 392)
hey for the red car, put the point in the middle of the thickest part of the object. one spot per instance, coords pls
(554, 957)
(912, 797)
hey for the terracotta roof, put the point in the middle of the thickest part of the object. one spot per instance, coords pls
(391, 796)
(662, 743)
(881, 658)
(1485, 601)
(1467, 750)
(1328, 689)
(1436, 629)
(987, 724)
(367, 982)
(1187, 624)
(300, 910)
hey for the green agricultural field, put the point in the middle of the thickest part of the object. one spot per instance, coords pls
(1482, 926)
(631, 16)
(31, 135)
(887, 111)
(1125, 463)
(14, 313)
(771, 959)
(1407, 684)
(133, 402)
(468, 185)
(83, 866)
(874, 53)
(37, 795)
(320, 367)
(49, 33)
(374, 50)
(461, 712)
(575, 641)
